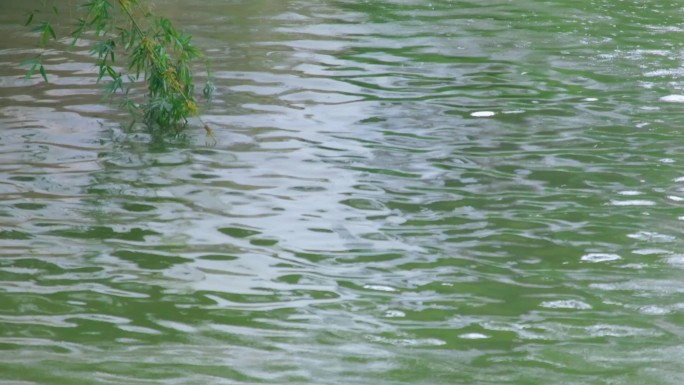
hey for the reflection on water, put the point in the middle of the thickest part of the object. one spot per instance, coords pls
(402, 192)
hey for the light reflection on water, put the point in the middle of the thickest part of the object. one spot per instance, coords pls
(401, 192)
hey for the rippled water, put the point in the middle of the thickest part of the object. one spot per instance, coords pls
(403, 192)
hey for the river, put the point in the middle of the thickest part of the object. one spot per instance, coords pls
(401, 192)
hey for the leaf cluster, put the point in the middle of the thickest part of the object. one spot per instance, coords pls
(157, 54)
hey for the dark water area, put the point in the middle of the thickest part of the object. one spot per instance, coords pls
(402, 192)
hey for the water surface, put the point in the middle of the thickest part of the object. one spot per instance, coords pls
(402, 192)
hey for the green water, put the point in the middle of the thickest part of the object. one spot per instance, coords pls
(403, 192)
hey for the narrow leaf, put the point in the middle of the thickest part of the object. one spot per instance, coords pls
(29, 19)
(52, 32)
(46, 35)
(31, 70)
(101, 73)
(111, 73)
(43, 74)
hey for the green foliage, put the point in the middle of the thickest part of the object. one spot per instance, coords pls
(157, 54)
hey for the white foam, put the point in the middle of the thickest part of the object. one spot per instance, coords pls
(663, 72)
(408, 341)
(600, 257)
(652, 236)
(654, 310)
(379, 288)
(676, 259)
(473, 336)
(395, 314)
(673, 99)
(604, 330)
(651, 251)
(566, 304)
(482, 114)
(633, 202)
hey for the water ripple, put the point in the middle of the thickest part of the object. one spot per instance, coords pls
(401, 191)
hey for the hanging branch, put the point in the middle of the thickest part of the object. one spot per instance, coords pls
(157, 53)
